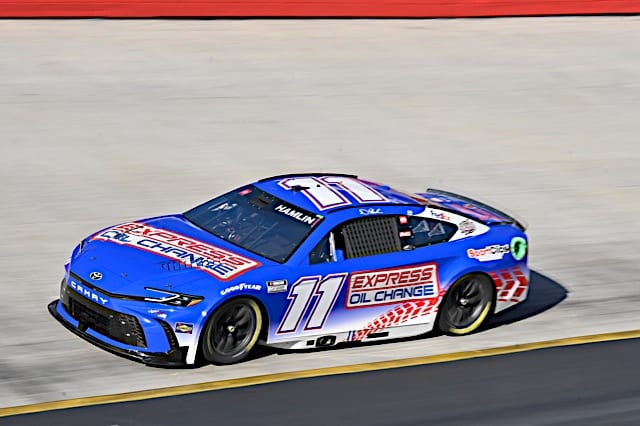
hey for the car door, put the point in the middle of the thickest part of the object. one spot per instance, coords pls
(359, 273)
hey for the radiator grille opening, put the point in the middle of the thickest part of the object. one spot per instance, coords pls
(115, 325)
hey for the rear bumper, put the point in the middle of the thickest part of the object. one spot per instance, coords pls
(172, 358)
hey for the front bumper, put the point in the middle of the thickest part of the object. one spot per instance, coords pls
(174, 357)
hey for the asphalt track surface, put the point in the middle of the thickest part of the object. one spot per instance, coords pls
(107, 121)
(592, 384)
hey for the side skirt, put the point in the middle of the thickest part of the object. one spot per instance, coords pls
(326, 340)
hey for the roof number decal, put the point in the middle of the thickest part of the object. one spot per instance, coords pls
(323, 192)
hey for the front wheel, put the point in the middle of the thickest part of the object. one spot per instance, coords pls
(467, 305)
(232, 331)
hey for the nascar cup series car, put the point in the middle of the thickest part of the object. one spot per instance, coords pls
(296, 262)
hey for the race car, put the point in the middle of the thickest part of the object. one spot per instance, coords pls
(296, 261)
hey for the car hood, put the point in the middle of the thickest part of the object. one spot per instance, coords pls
(166, 252)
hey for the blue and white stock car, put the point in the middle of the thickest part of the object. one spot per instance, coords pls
(297, 262)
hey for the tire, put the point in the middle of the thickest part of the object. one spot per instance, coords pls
(467, 305)
(232, 331)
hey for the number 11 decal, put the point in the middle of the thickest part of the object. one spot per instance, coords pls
(324, 192)
(301, 294)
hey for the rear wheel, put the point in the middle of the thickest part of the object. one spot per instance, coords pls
(467, 305)
(232, 331)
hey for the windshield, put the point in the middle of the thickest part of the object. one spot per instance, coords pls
(256, 221)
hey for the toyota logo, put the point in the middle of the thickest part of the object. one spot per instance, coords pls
(95, 276)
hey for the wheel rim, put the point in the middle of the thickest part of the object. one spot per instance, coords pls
(468, 300)
(234, 328)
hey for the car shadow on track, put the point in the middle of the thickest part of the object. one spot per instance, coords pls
(544, 294)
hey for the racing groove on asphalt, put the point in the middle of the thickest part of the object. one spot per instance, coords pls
(587, 384)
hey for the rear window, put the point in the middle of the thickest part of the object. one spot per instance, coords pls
(422, 231)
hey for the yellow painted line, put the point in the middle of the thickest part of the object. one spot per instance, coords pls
(280, 377)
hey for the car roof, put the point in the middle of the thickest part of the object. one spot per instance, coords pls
(294, 189)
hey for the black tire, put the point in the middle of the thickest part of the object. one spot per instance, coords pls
(467, 305)
(232, 331)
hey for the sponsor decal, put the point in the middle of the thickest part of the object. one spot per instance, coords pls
(467, 227)
(511, 284)
(440, 215)
(96, 276)
(220, 263)
(399, 315)
(183, 327)
(241, 287)
(88, 293)
(157, 312)
(403, 220)
(296, 214)
(518, 248)
(381, 287)
(492, 252)
(476, 212)
(370, 211)
(245, 192)
(173, 265)
(276, 286)
(405, 234)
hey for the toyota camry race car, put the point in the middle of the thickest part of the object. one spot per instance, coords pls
(296, 262)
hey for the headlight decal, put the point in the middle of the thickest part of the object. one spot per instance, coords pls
(173, 299)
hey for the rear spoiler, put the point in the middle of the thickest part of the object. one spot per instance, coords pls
(501, 217)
